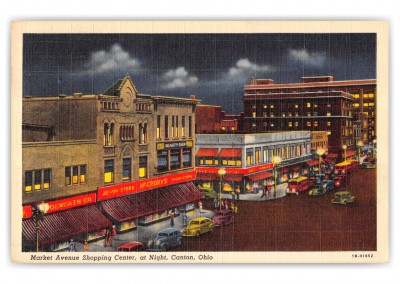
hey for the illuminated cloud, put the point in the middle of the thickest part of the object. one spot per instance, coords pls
(313, 59)
(178, 78)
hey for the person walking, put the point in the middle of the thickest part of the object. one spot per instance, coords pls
(85, 246)
(237, 192)
(226, 204)
(72, 247)
(264, 191)
(172, 222)
(108, 240)
(200, 207)
(184, 219)
(233, 195)
(216, 203)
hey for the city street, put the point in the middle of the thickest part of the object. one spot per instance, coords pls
(300, 223)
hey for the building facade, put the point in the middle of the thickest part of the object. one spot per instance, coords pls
(212, 119)
(106, 153)
(248, 159)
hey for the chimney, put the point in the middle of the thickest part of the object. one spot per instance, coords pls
(252, 81)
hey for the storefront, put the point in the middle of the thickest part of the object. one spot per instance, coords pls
(174, 155)
(148, 201)
(76, 218)
(256, 182)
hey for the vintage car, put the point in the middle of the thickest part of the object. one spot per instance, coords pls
(317, 190)
(165, 239)
(343, 197)
(339, 181)
(198, 226)
(131, 246)
(208, 192)
(223, 217)
(368, 166)
(328, 185)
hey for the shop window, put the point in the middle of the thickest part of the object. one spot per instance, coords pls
(126, 169)
(143, 167)
(175, 159)
(187, 157)
(162, 161)
(108, 171)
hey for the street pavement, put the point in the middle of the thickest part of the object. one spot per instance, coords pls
(143, 233)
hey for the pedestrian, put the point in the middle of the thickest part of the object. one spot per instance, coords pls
(226, 204)
(200, 207)
(237, 192)
(72, 247)
(233, 195)
(85, 246)
(264, 191)
(269, 190)
(114, 231)
(108, 240)
(216, 203)
(172, 222)
(184, 219)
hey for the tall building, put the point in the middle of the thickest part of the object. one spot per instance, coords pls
(212, 119)
(94, 159)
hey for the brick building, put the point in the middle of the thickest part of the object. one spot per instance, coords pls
(212, 119)
(105, 154)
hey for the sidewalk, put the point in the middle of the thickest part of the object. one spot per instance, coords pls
(257, 196)
(143, 233)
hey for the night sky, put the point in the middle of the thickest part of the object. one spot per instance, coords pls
(213, 67)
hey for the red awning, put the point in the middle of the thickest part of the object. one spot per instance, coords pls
(349, 153)
(260, 176)
(204, 176)
(312, 163)
(236, 178)
(332, 156)
(65, 225)
(231, 153)
(151, 201)
(207, 152)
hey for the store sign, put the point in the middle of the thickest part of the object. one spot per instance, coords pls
(62, 204)
(141, 185)
(235, 171)
(175, 145)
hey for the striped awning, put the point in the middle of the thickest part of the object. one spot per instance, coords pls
(206, 176)
(65, 225)
(230, 153)
(260, 176)
(207, 152)
(312, 163)
(151, 201)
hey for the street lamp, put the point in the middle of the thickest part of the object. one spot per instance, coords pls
(275, 161)
(221, 173)
(345, 153)
(38, 211)
(320, 152)
(359, 144)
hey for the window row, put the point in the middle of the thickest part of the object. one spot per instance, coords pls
(168, 160)
(126, 133)
(75, 175)
(216, 161)
(291, 105)
(178, 126)
(109, 105)
(109, 169)
(254, 156)
(365, 96)
(36, 180)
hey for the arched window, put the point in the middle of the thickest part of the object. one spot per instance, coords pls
(106, 129)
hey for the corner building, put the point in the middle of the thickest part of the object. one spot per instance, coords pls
(117, 158)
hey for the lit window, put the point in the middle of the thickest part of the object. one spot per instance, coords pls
(158, 126)
(254, 114)
(309, 123)
(296, 124)
(315, 105)
(290, 124)
(264, 106)
(328, 123)
(308, 113)
(223, 128)
(183, 126)
(356, 96)
(329, 132)
(75, 174)
(328, 113)
(308, 104)
(109, 171)
(371, 104)
(271, 106)
(28, 181)
(365, 104)
(356, 105)
(283, 114)
(143, 167)
(296, 106)
(46, 178)
(315, 123)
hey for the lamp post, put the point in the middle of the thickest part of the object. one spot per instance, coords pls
(345, 153)
(38, 211)
(221, 173)
(275, 161)
(359, 145)
(320, 152)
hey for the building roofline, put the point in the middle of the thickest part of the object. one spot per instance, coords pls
(313, 84)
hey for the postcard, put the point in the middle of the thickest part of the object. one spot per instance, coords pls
(200, 142)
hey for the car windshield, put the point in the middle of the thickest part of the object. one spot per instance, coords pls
(163, 235)
(194, 222)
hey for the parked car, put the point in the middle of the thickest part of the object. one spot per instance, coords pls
(328, 185)
(131, 246)
(198, 226)
(339, 180)
(343, 197)
(208, 192)
(317, 190)
(368, 166)
(165, 239)
(223, 217)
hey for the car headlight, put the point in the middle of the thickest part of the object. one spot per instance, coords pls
(150, 242)
(158, 243)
